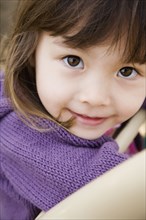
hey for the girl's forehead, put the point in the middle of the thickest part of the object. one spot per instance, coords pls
(97, 50)
(107, 45)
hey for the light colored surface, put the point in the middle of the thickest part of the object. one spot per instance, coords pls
(130, 131)
(118, 194)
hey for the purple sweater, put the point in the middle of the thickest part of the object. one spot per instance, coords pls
(39, 169)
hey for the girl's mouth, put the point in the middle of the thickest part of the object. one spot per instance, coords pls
(87, 120)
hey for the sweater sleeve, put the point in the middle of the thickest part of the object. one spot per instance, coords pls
(16, 209)
(12, 205)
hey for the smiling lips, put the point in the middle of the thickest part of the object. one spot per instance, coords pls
(90, 121)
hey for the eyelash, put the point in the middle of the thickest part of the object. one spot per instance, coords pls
(79, 64)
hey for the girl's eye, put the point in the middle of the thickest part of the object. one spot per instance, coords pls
(127, 72)
(74, 62)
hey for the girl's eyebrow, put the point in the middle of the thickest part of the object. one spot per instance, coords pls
(60, 43)
(63, 44)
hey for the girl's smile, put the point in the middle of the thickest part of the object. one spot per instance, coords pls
(87, 120)
(91, 85)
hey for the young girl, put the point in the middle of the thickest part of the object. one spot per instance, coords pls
(74, 70)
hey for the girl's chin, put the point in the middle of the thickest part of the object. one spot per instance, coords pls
(86, 134)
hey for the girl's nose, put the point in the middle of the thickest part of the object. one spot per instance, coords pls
(96, 92)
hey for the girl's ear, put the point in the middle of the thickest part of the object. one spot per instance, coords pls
(32, 60)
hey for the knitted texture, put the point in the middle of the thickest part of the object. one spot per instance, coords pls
(39, 169)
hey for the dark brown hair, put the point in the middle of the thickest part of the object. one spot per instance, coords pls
(90, 22)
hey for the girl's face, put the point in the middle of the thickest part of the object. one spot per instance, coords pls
(90, 85)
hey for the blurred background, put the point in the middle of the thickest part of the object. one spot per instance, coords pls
(7, 8)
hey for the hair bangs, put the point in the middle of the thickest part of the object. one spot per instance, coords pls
(107, 23)
(87, 23)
